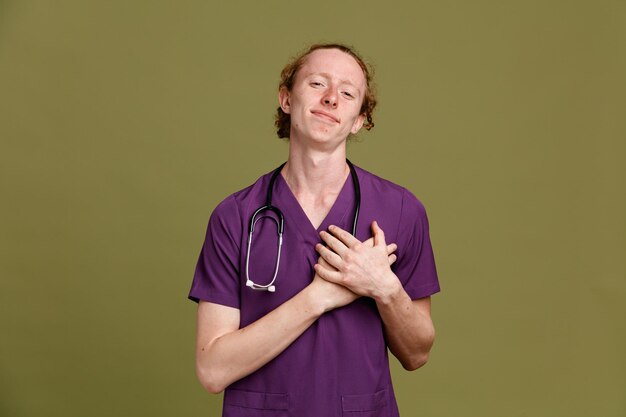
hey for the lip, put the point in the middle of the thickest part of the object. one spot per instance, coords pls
(325, 115)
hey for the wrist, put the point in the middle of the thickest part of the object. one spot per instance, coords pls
(315, 303)
(391, 291)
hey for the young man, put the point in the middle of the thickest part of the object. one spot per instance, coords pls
(304, 330)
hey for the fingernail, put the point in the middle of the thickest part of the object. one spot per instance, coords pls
(331, 227)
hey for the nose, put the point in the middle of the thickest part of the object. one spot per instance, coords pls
(330, 98)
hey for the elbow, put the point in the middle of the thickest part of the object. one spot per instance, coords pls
(415, 362)
(212, 373)
(213, 387)
(210, 381)
(420, 355)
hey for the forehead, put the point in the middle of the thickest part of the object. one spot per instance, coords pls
(334, 62)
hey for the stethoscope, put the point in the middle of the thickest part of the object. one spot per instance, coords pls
(280, 223)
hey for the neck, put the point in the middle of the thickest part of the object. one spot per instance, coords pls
(316, 173)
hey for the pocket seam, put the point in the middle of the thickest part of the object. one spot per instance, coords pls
(256, 400)
(364, 402)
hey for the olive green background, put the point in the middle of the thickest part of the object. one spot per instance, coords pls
(123, 123)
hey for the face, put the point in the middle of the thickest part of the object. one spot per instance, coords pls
(325, 101)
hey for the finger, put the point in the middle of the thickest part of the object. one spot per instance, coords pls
(329, 256)
(333, 243)
(327, 274)
(391, 248)
(392, 258)
(325, 263)
(344, 236)
(379, 235)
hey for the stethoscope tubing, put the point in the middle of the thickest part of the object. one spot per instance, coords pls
(280, 223)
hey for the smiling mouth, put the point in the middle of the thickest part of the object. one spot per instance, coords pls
(325, 116)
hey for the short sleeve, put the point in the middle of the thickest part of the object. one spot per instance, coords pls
(415, 266)
(216, 278)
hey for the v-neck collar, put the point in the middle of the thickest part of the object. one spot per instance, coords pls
(296, 217)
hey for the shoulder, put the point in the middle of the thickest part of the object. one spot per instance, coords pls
(230, 214)
(381, 188)
(238, 201)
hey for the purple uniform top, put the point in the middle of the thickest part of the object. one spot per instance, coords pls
(339, 365)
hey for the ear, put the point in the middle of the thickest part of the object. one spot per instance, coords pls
(283, 100)
(358, 124)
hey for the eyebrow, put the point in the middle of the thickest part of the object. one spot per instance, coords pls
(327, 75)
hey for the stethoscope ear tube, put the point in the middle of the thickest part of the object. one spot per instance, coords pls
(279, 225)
(280, 222)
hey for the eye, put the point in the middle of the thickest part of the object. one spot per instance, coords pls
(348, 94)
(316, 84)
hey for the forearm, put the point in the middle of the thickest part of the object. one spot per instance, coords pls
(408, 328)
(236, 354)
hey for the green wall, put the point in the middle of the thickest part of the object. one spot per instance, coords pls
(123, 123)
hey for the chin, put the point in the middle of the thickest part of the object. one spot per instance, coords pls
(321, 135)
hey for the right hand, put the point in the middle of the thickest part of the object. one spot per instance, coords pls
(333, 295)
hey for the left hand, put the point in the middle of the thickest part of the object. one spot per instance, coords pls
(363, 269)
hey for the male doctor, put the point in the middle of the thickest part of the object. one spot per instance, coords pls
(317, 345)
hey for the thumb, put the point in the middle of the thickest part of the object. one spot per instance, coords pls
(379, 235)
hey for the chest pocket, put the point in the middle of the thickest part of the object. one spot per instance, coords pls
(365, 405)
(239, 403)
